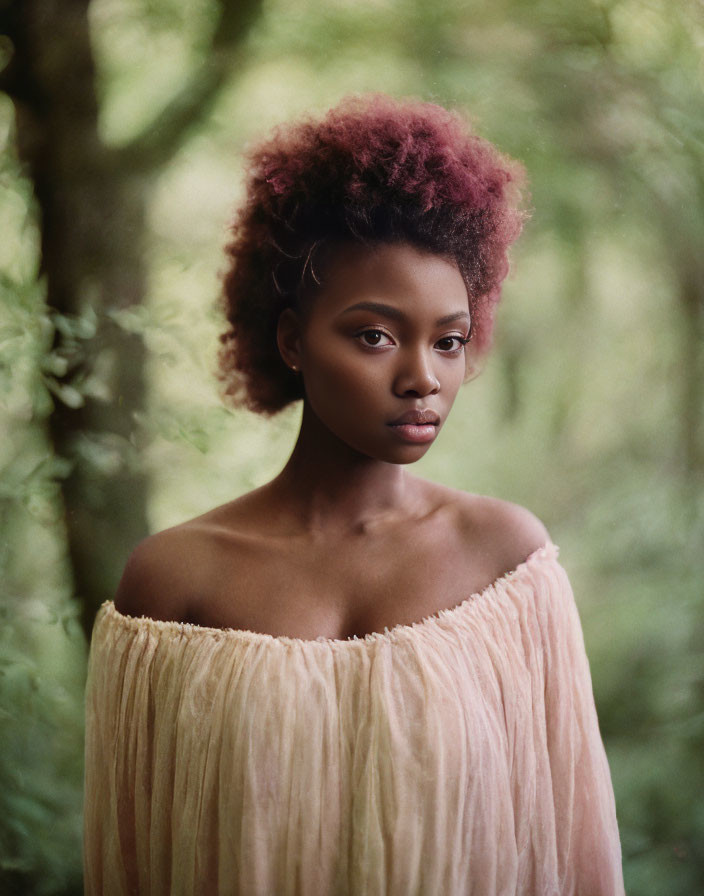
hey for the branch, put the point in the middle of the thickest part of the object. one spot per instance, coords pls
(161, 139)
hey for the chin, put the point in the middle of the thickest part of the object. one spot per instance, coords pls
(402, 455)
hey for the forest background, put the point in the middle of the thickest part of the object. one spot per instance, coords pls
(122, 126)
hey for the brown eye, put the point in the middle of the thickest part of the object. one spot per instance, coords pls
(450, 344)
(374, 338)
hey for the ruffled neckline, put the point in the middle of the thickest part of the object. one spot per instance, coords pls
(547, 552)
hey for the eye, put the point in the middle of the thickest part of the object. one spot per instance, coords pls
(374, 338)
(452, 345)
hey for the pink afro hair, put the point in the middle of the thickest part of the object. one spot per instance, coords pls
(372, 170)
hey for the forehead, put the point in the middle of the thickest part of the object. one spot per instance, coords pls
(413, 280)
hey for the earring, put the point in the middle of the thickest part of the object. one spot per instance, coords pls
(294, 368)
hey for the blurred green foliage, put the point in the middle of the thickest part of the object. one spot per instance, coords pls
(589, 411)
(42, 651)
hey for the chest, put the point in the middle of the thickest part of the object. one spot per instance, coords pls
(340, 587)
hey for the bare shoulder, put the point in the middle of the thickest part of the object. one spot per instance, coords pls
(515, 530)
(162, 574)
(176, 574)
(498, 533)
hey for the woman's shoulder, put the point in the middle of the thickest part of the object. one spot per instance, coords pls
(501, 532)
(506, 523)
(149, 579)
(163, 573)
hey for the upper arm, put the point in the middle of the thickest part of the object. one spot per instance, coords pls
(158, 578)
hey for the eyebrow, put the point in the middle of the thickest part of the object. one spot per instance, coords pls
(396, 314)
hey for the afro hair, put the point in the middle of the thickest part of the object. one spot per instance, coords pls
(373, 170)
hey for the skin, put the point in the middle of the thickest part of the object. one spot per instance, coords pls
(345, 540)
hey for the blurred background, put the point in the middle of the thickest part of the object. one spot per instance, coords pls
(122, 124)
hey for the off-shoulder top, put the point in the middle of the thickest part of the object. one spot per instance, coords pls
(457, 755)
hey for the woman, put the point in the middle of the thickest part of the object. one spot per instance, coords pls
(352, 680)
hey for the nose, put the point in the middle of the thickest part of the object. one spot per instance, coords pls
(416, 376)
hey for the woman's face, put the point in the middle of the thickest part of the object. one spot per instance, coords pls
(381, 348)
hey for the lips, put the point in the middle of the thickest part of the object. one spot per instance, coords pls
(417, 418)
(416, 426)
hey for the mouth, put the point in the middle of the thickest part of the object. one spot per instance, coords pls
(417, 418)
(416, 426)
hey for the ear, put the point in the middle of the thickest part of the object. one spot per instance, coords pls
(288, 338)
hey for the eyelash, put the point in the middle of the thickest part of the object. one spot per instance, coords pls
(463, 340)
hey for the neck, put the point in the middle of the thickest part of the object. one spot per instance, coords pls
(332, 488)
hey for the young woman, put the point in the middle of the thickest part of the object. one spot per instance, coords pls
(352, 680)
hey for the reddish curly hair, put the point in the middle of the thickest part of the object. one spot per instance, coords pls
(372, 170)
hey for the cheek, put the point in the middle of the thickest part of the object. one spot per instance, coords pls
(340, 394)
(458, 379)
(343, 372)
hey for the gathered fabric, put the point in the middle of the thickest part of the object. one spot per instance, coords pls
(458, 755)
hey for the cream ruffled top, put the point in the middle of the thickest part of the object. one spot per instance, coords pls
(457, 755)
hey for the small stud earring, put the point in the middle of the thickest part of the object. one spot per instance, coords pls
(294, 368)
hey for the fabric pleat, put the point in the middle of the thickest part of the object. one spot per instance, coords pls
(458, 756)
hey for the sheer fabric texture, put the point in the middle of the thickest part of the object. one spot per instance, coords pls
(458, 755)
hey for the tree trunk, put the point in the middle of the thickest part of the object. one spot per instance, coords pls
(92, 207)
(91, 225)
